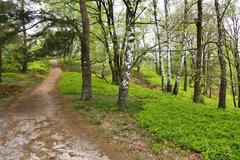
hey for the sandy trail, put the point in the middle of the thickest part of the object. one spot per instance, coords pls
(33, 128)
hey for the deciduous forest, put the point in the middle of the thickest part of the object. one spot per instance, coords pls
(119, 79)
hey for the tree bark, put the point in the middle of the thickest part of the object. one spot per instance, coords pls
(25, 54)
(237, 67)
(24, 67)
(184, 36)
(105, 41)
(103, 74)
(85, 59)
(114, 38)
(235, 47)
(124, 85)
(223, 83)
(169, 72)
(197, 77)
(161, 65)
(1, 61)
(204, 72)
(185, 74)
(231, 78)
(123, 88)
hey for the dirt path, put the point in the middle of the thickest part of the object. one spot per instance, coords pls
(34, 127)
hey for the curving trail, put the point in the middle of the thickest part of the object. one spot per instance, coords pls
(33, 128)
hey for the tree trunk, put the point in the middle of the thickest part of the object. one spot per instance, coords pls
(231, 78)
(161, 65)
(185, 74)
(1, 61)
(223, 83)
(85, 59)
(123, 88)
(169, 72)
(178, 78)
(105, 33)
(237, 67)
(25, 56)
(197, 77)
(237, 55)
(24, 67)
(238, 77)
(114, 38)
(103, 74)
(204, 72)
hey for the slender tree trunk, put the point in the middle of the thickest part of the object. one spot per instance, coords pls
(204, 71)
(161, 65)
(223, 84)
(156, 64)
(24, 67)
(1, 61)
(185, 74)
(103, 74)
(123, 46)
(105, 33)
(169, 72)
(178, 77)
(114, 38)
(210, 92)
(209, 70)
(139, 66)
(25, 59)
(210, 74)
(124, 85)
(237, 67)
(85, 59)
(238, 77)
(231, 78)
(197, 87)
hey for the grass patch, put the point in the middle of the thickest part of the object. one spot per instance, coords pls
(15, 83)
(212, 132)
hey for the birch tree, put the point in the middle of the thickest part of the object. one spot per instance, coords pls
(169, 72)
(161, 65)
(184, 38)
(131, 6)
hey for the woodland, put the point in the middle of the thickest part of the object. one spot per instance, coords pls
(165, 70)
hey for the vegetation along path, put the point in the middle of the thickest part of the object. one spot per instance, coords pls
(34, 127)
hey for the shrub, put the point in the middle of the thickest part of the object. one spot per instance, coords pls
(41, 67)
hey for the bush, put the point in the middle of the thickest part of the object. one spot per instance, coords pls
(41, 67)
(70, 65)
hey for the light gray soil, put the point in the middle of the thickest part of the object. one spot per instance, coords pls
(33, 128)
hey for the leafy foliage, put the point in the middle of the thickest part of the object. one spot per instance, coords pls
(41, 66)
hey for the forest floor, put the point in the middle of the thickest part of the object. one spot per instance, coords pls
(36, 126)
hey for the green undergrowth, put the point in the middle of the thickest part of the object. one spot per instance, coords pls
(14, 83)
(151, 76)
(41, 66)
(200, 127)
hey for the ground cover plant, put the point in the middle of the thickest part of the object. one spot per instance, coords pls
(202, 128)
